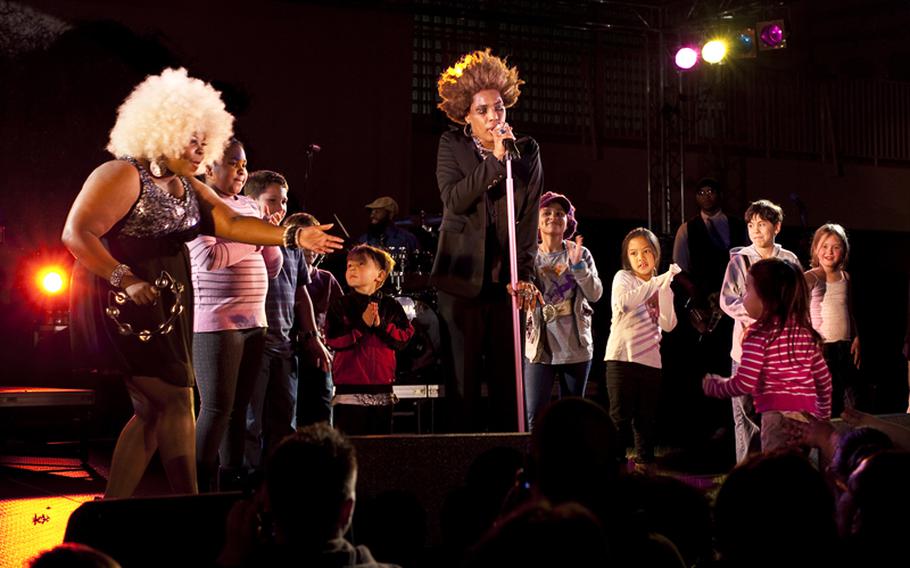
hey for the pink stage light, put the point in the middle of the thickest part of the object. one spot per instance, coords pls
(686, 58)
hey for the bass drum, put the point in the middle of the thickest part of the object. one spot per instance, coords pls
(420, 357)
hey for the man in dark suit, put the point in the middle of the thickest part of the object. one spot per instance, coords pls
(702, 343)
(702, 249)
(471, 270)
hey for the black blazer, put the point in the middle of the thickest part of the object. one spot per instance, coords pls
(463, 178)
(707, 261)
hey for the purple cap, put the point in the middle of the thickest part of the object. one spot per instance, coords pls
(551, 196)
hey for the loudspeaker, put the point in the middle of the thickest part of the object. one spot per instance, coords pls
(428, 467)
(189, 530)
(185, 530)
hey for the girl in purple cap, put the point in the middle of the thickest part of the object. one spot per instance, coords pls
(558, 339)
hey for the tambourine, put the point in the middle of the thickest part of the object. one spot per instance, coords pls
(120, 298)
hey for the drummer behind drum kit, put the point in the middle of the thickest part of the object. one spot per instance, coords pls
(419, 361)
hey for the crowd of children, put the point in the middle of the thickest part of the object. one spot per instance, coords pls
(277, 343)
(794, 352)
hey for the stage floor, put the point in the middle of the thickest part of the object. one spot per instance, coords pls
(38, 494)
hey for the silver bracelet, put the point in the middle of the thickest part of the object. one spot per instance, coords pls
(118, 273)
(290, 236)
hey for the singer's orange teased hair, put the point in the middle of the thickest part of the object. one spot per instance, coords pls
(474, 72)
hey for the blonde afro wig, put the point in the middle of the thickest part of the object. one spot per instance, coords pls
(163, 113)
(477, 71)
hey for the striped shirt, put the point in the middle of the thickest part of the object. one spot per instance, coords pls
(230, 279)
(641, 309)
(783, 373)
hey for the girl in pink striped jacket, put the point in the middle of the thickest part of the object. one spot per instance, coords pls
(782, 365)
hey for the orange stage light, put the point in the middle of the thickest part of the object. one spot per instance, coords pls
(51, 280)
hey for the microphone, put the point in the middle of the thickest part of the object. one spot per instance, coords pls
(313, 148)
(509, 145)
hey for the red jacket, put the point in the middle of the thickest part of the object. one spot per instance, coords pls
(365, 355)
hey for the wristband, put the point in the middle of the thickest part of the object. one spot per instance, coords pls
(290, 237)
(118, 273)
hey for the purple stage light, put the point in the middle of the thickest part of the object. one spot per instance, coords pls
(686, 58)
(772, 35)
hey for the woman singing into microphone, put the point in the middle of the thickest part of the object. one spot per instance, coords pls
(471, 270)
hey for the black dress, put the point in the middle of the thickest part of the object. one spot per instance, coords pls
(150, 240)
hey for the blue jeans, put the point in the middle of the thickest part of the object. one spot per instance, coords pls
(270, 415)
(227, 364)
(539, 379)
(746, 423)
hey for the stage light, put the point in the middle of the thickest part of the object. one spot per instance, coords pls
(714, 51)
(686, 58)
(744, 43)
(51, 280)
(772, 35)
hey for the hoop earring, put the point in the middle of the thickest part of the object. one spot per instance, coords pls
(468, 131)
(158, 168)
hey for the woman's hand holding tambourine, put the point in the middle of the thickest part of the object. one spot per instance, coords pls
(140, 292)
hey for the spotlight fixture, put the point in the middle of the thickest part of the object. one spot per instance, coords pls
(714, 51)
(686, 58)
(772, 34)
(51, 280)
(744, 43)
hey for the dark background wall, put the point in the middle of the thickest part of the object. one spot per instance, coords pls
(342, 75)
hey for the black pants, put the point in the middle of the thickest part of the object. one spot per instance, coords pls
(356, 420)
(845, 387)
(634, 392)
(479, 331)
(314, 395)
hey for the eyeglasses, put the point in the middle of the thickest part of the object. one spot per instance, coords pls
(705, 191)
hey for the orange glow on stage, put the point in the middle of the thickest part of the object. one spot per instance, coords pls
(51, 280)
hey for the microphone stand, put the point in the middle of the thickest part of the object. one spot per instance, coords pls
(301, 193)
(516, 299)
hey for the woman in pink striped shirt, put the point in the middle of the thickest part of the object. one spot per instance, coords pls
(782, 365)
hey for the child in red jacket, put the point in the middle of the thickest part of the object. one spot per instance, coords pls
(365, 328)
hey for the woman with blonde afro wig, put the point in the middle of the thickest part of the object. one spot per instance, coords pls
(165, 111)
(131, 302)
(471, 270)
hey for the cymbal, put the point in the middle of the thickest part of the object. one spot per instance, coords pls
(414, 221)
